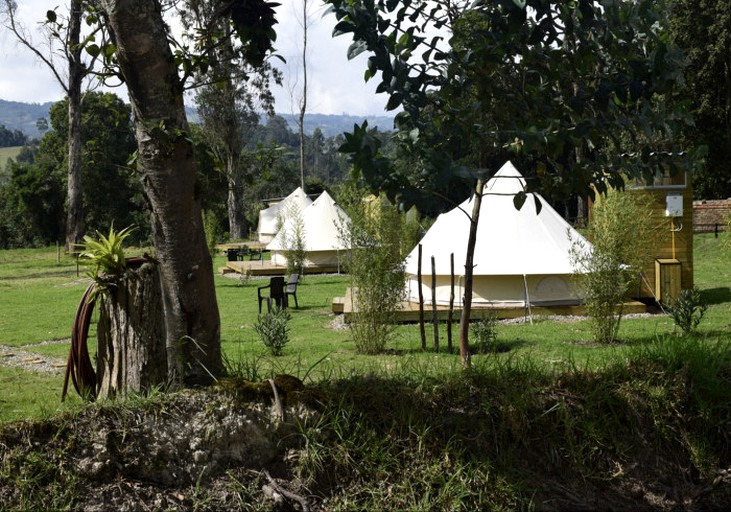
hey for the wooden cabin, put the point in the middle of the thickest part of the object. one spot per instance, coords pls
(670, 268)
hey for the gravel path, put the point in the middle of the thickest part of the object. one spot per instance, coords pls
(19, 358)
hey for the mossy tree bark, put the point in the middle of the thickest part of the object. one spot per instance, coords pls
(167, 164)
(131, 351)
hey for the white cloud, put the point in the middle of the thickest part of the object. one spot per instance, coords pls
(336, 85)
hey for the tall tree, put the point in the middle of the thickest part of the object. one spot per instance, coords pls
(67, 32)
(702, 28)
(554, 84)
(166, 159)
(230, 91)
(305, 19)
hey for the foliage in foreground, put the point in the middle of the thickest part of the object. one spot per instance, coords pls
(507, 435)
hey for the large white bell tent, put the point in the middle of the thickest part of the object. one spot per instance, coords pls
(271, 218)
(521, 257)
(320, 225)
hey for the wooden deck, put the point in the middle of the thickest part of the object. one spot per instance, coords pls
(267, 268)
(409, 311)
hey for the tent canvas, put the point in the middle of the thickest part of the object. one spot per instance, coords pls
(521, 258)
(269, 218)
(321, 223)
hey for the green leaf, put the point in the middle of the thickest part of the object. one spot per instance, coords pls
(93, 50)
(519, 200)
(51, 16)
(356, 48)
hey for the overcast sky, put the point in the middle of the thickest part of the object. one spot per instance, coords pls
(336, 85)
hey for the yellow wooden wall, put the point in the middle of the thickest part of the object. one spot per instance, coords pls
(676, 244)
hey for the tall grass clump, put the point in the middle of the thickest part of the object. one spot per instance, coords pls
(376, 271)
(273, 329)
(688, 309)
(622, 230)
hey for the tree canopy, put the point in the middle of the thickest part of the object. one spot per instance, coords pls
(568, 88)
(702, 28)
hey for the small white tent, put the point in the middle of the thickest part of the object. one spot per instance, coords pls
(521, 258)
(321, 223)
(271, 218)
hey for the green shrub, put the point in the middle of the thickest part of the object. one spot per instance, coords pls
(294, 235)
(376, 268)
(484, 332)
(273, 329)
(688, 309)
(210, 228)
(622, 231)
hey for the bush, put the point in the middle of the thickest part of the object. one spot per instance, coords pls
(622, 231)
(376, 268)
(688, 309)
(294, 235)
(273, 329)
(484, 331)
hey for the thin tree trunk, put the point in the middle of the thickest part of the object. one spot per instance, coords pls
(75, 225)
(434, 318)
(464, 321)
(131, 353)
(169, 178)
(450, 314)
(303, 103)
(422, 331)
(235, 201)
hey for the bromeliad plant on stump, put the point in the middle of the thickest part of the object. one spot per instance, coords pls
(131, 355)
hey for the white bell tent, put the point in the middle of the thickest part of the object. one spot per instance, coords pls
(320, 225)
(521, 258)
(271, 218)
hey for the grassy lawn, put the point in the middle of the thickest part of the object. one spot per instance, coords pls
(39, 296)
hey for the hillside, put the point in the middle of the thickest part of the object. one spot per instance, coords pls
(22, 116)
(15, 115)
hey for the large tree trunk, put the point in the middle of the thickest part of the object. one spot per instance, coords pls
(131, 352)
(169, 180)
(74, 197)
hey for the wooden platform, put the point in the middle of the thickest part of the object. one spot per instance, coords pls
(409, 311)
(267, 268)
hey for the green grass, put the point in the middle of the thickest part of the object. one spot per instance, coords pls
(39, 296)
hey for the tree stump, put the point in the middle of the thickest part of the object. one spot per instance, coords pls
(131, 354)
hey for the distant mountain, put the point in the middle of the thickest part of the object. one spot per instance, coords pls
(23, 116)
(336, 124)
(15, 115)
(329, 124)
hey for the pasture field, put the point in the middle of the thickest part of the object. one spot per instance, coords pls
(40, 291)
(5, 153)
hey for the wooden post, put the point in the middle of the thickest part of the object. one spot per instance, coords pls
(435, 320)
(131, 352)
(450, 313)
(421, 303)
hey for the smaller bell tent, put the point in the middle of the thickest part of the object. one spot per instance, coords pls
(272, 217)
(521, 257)
(320, 226)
